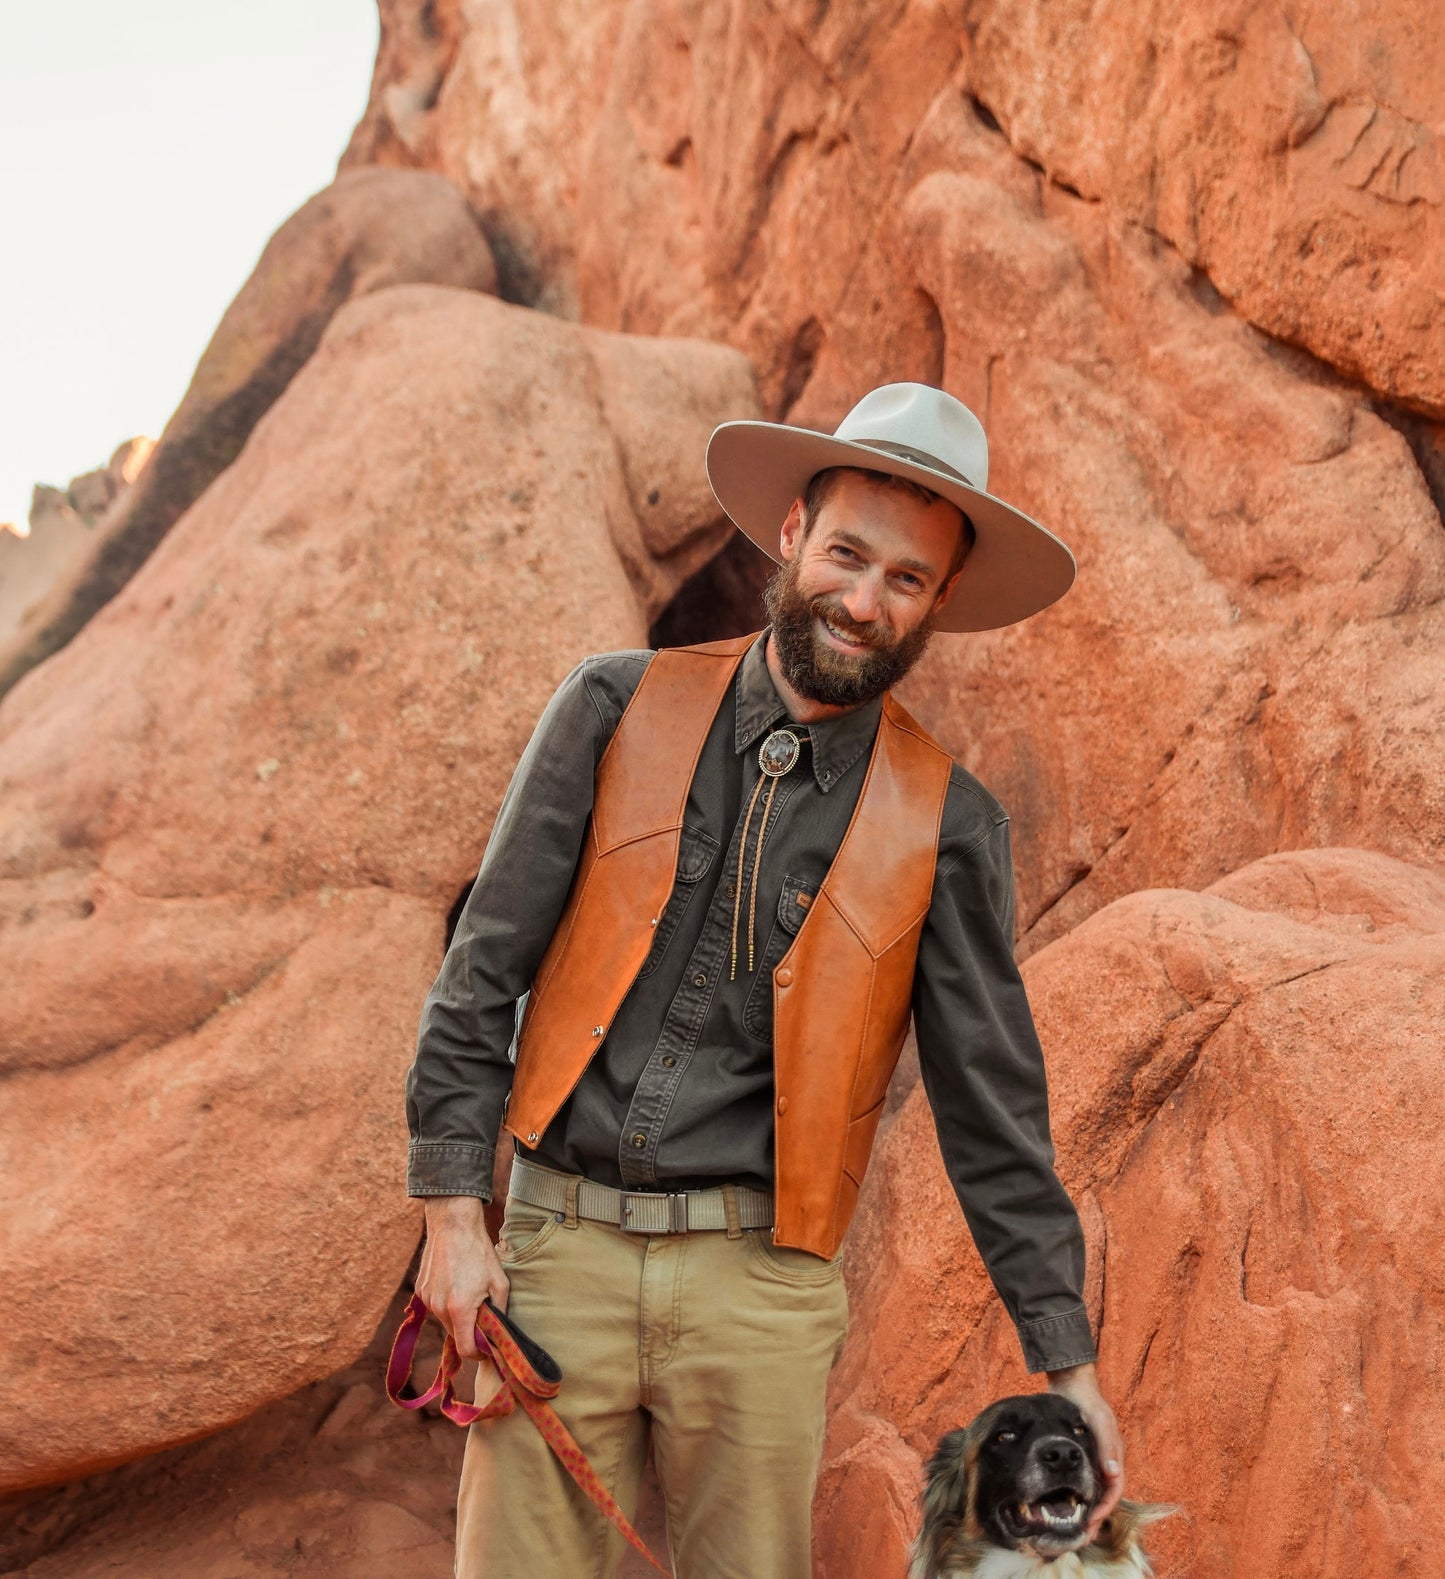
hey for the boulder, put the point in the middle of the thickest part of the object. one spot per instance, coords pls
(332, 1480)
(236, 811)
(1247, 1109)
(370, 229)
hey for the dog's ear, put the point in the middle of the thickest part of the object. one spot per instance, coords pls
(1119, 1536)
(947, 1503)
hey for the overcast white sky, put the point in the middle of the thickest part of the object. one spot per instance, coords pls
(148, 149)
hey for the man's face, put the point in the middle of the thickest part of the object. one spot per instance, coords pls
(853, 603)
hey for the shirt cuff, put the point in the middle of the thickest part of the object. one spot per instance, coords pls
(1052, 1343)
(450, 1167)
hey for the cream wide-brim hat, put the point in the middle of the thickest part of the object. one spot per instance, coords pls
(1015, 568)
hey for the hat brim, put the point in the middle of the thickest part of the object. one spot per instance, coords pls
(1015, 568)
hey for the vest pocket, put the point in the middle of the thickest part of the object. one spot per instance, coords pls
(696, 852)
(794, 903)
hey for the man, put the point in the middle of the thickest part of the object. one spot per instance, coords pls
(724, 878)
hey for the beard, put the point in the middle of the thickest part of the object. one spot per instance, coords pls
(822, 673)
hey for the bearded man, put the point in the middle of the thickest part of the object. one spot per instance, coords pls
(723, 879)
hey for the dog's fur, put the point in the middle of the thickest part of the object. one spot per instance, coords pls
(983, 1505)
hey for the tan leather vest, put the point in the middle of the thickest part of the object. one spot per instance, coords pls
(842, 994)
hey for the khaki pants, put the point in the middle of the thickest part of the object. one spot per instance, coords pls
(718, 1349)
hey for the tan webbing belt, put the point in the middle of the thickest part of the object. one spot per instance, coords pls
(641, 1211)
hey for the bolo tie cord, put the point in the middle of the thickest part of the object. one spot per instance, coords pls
(753, 885)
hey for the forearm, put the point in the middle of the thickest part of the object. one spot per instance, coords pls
(984, 1073)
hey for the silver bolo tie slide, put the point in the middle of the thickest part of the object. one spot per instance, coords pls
(777, 755)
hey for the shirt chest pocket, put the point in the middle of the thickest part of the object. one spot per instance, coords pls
(794, 903)
(696, 852)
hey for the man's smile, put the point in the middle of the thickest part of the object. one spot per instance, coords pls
(840, 640)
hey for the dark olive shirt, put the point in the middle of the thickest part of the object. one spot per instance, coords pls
(680, 1093)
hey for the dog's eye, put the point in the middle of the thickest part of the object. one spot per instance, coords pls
(1006, 1436)
(1080, 1430)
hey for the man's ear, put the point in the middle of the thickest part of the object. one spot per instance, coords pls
(793, 528)
(945, 592)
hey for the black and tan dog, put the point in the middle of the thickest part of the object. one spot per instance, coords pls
(1009, 1497)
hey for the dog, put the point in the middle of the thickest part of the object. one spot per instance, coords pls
(1009, 1497)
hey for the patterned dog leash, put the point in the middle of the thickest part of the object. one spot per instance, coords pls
(530, 1377)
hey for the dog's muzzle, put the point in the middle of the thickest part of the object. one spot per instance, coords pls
(1057, 1489)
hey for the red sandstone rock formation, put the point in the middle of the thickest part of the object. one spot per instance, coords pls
(1252, 644)
(235, 812)
(333, 1482)
(1247, 1108)
(368, 230)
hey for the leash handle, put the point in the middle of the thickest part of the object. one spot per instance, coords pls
(522, 1384)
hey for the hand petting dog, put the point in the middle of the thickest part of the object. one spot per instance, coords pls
(1080, 1384)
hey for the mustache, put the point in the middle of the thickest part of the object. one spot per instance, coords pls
(873, 634)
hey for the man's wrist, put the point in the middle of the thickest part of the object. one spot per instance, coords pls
(1075, 1376)
(454, 1211)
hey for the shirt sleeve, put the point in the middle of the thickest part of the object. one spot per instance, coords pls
(983, 1072)
(457, 1087)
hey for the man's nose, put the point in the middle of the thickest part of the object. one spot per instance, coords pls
(862, 601)
(1059, 1453)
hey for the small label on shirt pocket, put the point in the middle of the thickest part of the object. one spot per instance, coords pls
(794, 903)
(696, 852)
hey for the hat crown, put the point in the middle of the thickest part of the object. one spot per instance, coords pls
(919, 423)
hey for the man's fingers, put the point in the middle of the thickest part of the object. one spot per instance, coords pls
(461, 1322)
(1113, 1467)
(498, 1289)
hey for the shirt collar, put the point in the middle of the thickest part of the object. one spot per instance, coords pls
(837, 742)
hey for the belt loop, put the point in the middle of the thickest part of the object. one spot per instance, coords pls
(574, 1189)
(730, 1207)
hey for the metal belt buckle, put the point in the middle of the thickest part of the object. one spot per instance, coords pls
(676, 1212)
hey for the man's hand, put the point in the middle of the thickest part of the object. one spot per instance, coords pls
(1080, 1384)
(459, 1268)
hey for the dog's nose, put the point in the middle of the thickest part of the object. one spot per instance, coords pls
(1059, 1454)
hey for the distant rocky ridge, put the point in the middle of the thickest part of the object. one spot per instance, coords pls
(61, 527)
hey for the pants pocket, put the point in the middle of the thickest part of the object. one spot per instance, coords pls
(789, 1265)
(525, 1232)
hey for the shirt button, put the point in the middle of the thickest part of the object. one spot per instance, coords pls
(784, 976)
(639, 1141)
(699, 980)
(668, 1061)
(782, 1105)
(731, 890)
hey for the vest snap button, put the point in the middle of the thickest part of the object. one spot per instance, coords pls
(782, 1105)
(784, 977)
(597, 1030)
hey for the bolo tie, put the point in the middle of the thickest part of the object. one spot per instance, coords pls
(778, 755)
